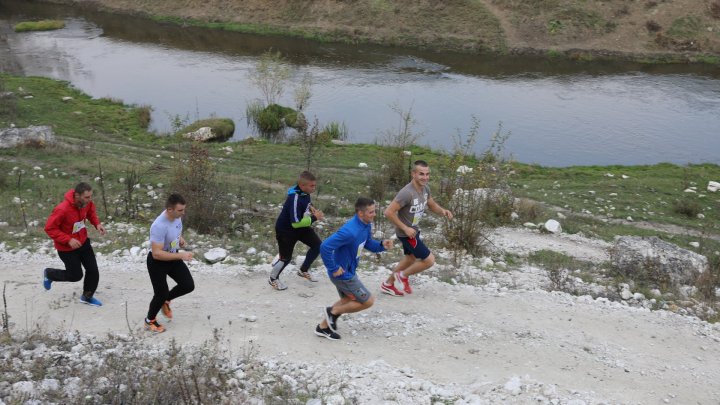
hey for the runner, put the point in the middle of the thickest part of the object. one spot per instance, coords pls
(340, 253)
(295, 224)
(405, 212)
(66, 227)
(164, 260)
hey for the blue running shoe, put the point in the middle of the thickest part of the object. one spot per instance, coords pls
(90, 301)
(47, 283)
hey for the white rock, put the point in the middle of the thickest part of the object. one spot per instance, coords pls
(701, 216)
(689, 190)
(529, 225)
(486, 262)
(135, 250)
(629, 218)
(407, 153)
(694, 244)
(361, 164)
(625, 176)
(561, 215)
(251, 251)
(638, 296)
(713, 186)
(553, 226)
(215, 255)
(464, 169)
(514, 216)
(513, 386)
(626, 294)
(66, 98)
(609, 175)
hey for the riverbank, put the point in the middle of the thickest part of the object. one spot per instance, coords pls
(665, 32)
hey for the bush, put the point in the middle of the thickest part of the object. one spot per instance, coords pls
(714, 9)
(208, 205)
(652, 26)
(687, 207)
(144, 116)
(557, 265)
(709, 281)
(42, 25)
(336, 130)
(8, 103)
(223, 128)
(648, 274)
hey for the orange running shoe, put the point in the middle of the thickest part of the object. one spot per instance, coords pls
(166, 311)
(154, 326)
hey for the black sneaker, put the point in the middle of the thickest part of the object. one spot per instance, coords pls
(326, 333)
(331, 319)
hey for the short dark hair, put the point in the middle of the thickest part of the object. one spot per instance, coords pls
(173, 200)
(362, 203)
(420, 163)
(82, 187)
(306, 176)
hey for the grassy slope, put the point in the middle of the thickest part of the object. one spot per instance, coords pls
(95, 132)
(684, 26)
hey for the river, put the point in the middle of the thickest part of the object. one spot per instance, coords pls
(556, 112)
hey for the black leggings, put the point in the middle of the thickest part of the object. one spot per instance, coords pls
(75, 260)
(286, 244)
(159, 271)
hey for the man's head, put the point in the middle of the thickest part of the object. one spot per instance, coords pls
(83, 194)
(365, 209)
(307, 182)
(420, 173)
(175, 205)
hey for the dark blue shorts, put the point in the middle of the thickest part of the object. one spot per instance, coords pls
(415, 247)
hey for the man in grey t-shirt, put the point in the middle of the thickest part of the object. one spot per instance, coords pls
(405, 212)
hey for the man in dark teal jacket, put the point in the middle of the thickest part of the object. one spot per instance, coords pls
(340, 253)
(295, 224)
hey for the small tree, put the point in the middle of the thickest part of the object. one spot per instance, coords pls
(195, 179)
(311, 143)
(398, 142)
(270, 75)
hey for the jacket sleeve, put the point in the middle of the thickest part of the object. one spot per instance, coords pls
(52, 228)
(373, 245)
(330, 245)
(92, 215)
(300, 217)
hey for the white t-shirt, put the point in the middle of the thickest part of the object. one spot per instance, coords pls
(166, 231)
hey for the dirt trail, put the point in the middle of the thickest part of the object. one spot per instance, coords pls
(446, 334)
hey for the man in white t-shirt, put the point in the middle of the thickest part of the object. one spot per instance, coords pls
(165, 260)
(405, 212)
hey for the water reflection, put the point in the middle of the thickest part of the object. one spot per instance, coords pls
(558, 112)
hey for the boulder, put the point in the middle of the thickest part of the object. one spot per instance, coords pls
(552, 226)
(633, 254)
(210, 130)
(32, 135)
(203, 134)
(215, 255)
(713, 186)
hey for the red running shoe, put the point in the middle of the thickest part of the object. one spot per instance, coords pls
(405, 282)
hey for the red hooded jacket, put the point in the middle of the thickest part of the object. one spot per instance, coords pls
(60, 224)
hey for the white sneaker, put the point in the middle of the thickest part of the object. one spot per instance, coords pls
(277, 284)
(307, 276)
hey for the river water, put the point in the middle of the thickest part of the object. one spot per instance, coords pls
(557, 113)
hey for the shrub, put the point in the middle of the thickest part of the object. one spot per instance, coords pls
(686, 27)
(144, 113)
(648, 273)
(714, 9)
(557, 266)
(687, 207)
(336, 130)
(270, 75)
(208, 205)
(223, 128)
(479, 198)
(652, 26)
(42, 25)
(709, 281)
(8, 103)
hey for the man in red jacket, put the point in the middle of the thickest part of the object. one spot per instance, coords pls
(66, 227)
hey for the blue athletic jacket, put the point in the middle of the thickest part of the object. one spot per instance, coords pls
(296, 211)
(343, 248)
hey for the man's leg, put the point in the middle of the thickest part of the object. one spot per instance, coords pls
(181, 274)
(73, 268)
(286, 245)
(404, 263)
(92, 275)
(310, 238)
(158, 278)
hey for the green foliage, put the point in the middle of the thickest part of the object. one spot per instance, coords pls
(708, 282)
(144, 113)
(270, 75)
(271, 120)
(688, 207)
(8, 103)
(687, 27)
(336, 130)
(42, 25)
(224, 128)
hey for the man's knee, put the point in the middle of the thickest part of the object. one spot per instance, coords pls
(429, 261)
(367, 304)
(74, 276)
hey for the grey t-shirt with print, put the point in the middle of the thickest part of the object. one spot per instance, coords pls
(166, 231)
(412, 206)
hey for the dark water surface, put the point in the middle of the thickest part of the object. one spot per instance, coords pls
(558, 113)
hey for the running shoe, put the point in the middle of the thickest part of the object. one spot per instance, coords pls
(166, 311)
(391, 290)
(277, 284)
(153, 326)
(90, 301)
(307, 276)
(47, 283)
(331, 319)
(326, 333)
(405, 282)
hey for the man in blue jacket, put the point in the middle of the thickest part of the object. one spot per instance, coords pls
(340, 253)
(295, 224)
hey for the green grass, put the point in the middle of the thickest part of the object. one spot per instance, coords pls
(42, 25)
(96, 133)
(687, 27)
